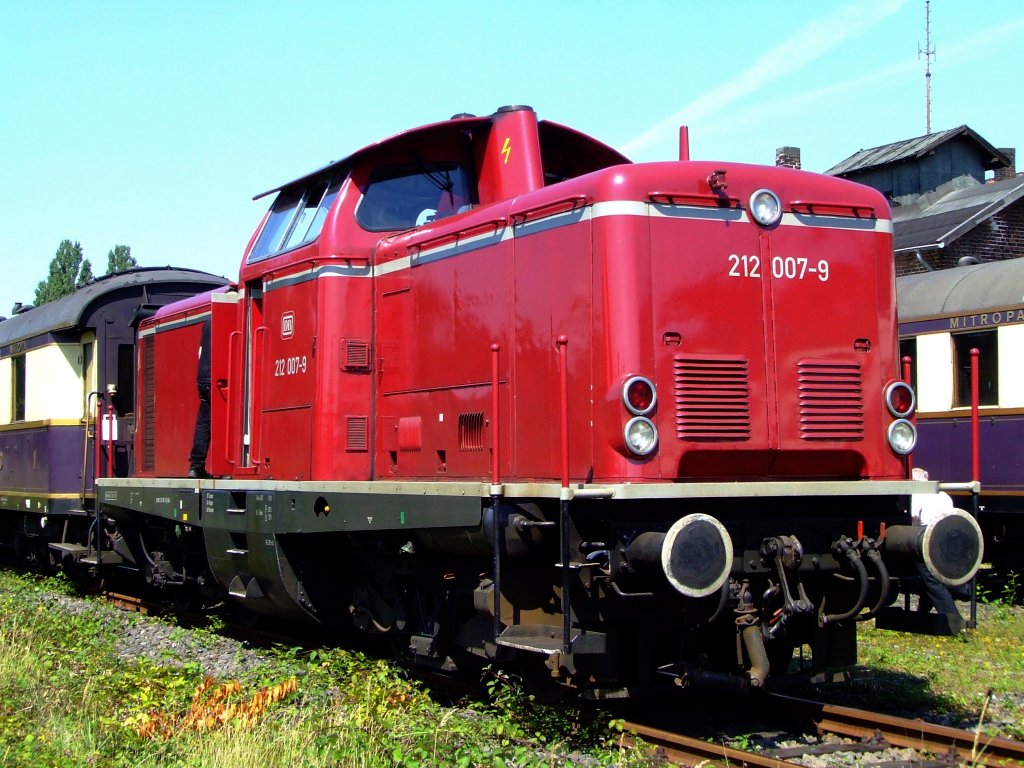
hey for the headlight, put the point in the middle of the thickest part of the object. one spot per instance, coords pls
(902, 436)
(641, 436)
(765, 207)
(638, 396)
(899, 397)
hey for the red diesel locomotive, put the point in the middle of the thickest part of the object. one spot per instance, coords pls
(493, 391)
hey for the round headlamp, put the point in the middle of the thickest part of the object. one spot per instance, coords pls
(902, 436)
(641, 436)
(765, 207)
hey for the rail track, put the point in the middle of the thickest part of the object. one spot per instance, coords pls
(933, 745)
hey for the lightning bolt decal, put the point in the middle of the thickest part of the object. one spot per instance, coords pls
(506, 148)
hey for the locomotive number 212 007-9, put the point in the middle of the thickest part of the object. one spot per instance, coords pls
(289, 366)
(783, 267)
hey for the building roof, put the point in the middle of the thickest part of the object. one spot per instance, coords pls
(67, 312)
(938, 218)
(915, 149)
(961, 290)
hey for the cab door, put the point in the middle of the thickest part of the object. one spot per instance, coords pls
(288, 385)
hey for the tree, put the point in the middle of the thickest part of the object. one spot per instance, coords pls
(120, 259)
(84, 274)
(68, 271)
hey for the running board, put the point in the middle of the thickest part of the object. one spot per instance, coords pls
(547, 639)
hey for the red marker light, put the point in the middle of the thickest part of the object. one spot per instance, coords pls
(899, 397)
(638, 395)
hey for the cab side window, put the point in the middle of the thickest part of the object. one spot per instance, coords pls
(401, 197)
(296, 218)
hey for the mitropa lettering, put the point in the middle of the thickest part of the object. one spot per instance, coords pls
(986, 318)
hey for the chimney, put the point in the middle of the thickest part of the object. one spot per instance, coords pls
(788, 157)
(1007, 171)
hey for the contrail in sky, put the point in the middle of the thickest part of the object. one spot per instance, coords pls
(813, 40)
(979, 45)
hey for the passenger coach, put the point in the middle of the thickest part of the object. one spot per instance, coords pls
(65, 367)
(943, 316)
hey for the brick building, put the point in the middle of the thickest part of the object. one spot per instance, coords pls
(944, 211)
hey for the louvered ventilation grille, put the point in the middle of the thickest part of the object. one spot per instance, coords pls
(357, 434)
(831, 400)
(356, 355)
(149, 405)
(712, 398)
(471, 431)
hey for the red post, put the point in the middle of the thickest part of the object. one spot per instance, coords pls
(96, 438)
(684, 143)
(564, 524)
(908, 380)
(495, 434)
(110, 441)
(975, 450)
(563, 342)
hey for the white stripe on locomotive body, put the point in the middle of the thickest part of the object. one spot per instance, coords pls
(737, 216)
(584, 213)
(170, 325)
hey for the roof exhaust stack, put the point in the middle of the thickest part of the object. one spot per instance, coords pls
(1009, 170)
(788, 157)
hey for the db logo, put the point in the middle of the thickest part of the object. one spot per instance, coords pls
(287, 325)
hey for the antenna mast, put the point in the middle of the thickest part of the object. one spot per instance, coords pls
(929, 54)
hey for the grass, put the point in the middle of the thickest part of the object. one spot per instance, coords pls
(955, 679)
(66, 700)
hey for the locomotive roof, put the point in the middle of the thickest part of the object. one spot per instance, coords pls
(961, 290)
(464, 122)
(67, 312)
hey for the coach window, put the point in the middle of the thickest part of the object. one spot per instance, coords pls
(18, 387)
(124, 400)
(406, 196)
(296, 218)
(988, 366)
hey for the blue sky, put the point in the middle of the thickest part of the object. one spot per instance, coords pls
(153, 123)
